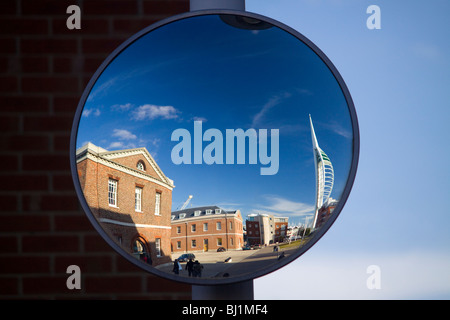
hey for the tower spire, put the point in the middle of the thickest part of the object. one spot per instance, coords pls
(324, 175)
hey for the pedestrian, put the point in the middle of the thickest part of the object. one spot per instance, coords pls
(189, 267)
(197, 270)
(176, 267)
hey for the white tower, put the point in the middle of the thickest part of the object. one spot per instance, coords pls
(324, 174)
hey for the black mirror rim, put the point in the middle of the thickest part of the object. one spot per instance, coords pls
(261, 272)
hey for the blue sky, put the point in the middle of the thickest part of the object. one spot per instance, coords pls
(397, 215)
(228, 78)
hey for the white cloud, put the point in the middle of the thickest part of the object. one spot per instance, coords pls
(87, 112)
(150, 112)
(285, 207)
(202, 119)
(273, 101)
(122, 107)
(123, 134)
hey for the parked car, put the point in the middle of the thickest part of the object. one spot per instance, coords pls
(246, 248)
(185, 257)
(221, 249)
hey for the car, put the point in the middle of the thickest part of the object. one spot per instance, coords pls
(221, 249)
(246, 248)
(185, 257)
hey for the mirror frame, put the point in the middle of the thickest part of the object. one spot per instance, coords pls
(260, 272)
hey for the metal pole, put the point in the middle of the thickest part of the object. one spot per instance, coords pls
(240, 290)
(217, 4)
(234, 291)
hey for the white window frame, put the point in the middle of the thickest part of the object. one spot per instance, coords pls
(158, 246)
(112, 192)
(208, 211)
(218, 225)
(193, 227)
(205, 226)
(158, 203)
(219, 242)
(178, 229)
(138, 199)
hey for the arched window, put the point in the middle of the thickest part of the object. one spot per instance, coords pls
(140, 165)
(140, 250)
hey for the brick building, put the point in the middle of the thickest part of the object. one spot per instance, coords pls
(264, 229)
(205, 229)
(131, 197)
(325, 211)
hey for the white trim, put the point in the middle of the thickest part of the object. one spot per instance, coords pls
(122, 168)
(206, 217)
(136, 225)
(207, 234)
(124, 153)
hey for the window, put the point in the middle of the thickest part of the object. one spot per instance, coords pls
(138, 199)
(158, 247)
(205, 226)
(172, 217)
(217, 211)
(158, 203)
(140, 166)
(178, 229)
(193, 243)
(178, 244)
(182, 215)
(231, 241)
(197, 213)
(193, 228)
(219, 241)
(112, 192)
(219, 226)
(208, 211)
(231, 225)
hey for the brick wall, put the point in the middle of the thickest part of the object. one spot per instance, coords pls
(44, 68)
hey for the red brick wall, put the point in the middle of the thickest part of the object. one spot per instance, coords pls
(96, 194)
(44, 68)
(212, 234)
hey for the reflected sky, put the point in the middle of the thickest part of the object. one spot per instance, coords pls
(201, 68)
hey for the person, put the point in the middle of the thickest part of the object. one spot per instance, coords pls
(189, 267)
(197, 269)
(176, 267)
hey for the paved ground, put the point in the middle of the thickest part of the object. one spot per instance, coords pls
(242, 261)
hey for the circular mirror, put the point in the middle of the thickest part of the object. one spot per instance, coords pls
(214, 147)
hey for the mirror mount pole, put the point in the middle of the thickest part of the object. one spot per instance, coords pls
(234, 291)
(217, 4)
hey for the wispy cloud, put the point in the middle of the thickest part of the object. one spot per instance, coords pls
(121, 107)
(338, 129)
(123, 134)
(272, 102)
(151, 111)
(279, 205)
(88, 112)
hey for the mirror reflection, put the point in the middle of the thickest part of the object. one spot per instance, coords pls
(214, 146)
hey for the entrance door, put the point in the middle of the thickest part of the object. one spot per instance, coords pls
(205, 245)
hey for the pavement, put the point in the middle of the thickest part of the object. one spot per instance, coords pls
(241, 262)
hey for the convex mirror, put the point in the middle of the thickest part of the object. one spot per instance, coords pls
(214, 147)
